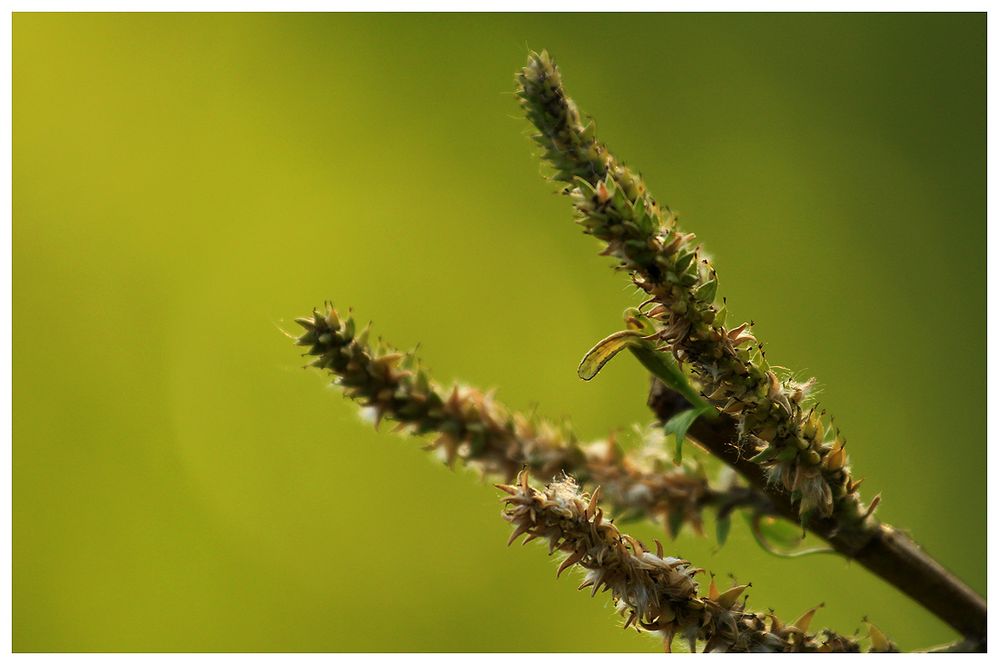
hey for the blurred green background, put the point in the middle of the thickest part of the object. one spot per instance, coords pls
(185, 185)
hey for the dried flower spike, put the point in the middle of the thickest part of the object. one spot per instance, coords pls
(653, 591)
(762, 422)
(474, 427)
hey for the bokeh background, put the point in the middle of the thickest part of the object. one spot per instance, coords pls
(185, 185)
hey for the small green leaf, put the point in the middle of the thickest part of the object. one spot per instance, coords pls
(771, 532)
(637, 209)
(674, 520)
(422, 382)
(603, 351)
(683, 262)
(362, 337)
(621, 202)
(706, 291)
(584, 186)
(722, 526)
(664, 367)
(678, 426)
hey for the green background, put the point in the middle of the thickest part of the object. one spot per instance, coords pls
(185, 185)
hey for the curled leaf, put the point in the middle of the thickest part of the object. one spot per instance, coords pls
(660, 364)
(603, 351)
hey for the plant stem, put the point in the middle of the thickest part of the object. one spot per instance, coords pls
(885, 551)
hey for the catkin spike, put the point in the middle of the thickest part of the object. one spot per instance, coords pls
(653, 592)
(613, 205)
(472, 426)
